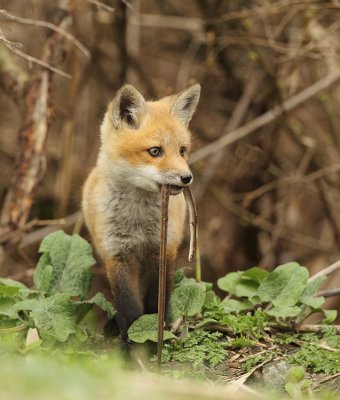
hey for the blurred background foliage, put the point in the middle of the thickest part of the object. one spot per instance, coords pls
(268, 198)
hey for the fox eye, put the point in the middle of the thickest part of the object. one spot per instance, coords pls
(155, 151)
(182, 151)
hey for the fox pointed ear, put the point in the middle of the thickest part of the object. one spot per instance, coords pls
(128, 106)
(185, 103)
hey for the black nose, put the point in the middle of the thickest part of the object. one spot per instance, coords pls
(186, 179)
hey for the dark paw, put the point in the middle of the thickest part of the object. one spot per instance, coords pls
(111, 328)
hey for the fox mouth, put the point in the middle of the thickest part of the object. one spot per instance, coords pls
(174, 189)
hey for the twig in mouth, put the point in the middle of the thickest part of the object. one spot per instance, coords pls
(192, 221)
(165, 192)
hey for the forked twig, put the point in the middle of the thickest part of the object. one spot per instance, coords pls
(165, 192)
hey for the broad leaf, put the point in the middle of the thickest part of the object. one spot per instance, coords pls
(7, 307)
(71, 258)
(330, 316)
(146, 328)
(12, 283)
(53, 316)
(187, 300)
(256, 274)
(235, 306)
(284, 286)
(284, 311)
(308, 295)
(99, 299)
(229, 282)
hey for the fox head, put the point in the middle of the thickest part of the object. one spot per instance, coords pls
(148, 142)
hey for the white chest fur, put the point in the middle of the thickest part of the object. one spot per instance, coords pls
(131, 219)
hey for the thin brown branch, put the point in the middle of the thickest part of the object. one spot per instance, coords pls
(165, 193)
(327, 379)
(49, 25)
(265, 225)
(101, 5)
(37, 235)
(44, 64)
(265, 118)
(13, 78)
(236, 119)
(325, 272)
(287, 180)
(329, 292)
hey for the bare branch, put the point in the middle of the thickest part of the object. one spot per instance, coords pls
(34, 60)
(326, 271)
(101, 5)
(49, 25)
(265, 118)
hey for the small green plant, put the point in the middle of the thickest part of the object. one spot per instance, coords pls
(199, 347)
(284, 295)
(60, 299)
(296, 383)
(317, 359)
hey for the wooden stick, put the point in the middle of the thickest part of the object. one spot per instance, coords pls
(165, 192)
(326, 271)
(193, 217)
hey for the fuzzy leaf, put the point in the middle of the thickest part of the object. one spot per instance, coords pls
(6, 307)
(235, 306)
(284, 311)
(284, 286)
(187, 300)
(99, 299)
(308, 295)
(146, 328)
(53, 316)
(44, 281)
(71, 258)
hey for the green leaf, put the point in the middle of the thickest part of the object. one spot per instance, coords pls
(99, 299)
(228, 283)
(230, 305)
(71, 259)
(146, 328)
(43, 278)
(12, 283)
(8, 290)
(308, 295)
(187, 300)
(295, 374)
(243, 283)
(314, 302)
(284, 286)
(6, 307)
(53, 316)
(330, 316)
(283, 311)
(256, 274)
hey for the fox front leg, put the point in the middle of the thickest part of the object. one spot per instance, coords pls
(123, 274)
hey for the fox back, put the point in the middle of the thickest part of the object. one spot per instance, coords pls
(144, 145)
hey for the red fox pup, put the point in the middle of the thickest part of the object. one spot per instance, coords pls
(144, 144)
